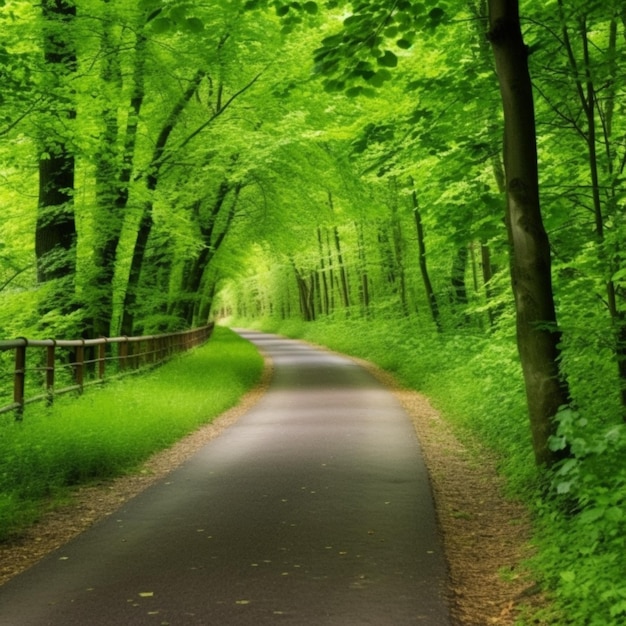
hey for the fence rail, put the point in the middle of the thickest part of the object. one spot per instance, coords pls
(39, 364)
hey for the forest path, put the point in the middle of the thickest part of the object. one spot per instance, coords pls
(313, 508)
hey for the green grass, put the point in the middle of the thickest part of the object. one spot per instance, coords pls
(111, 430)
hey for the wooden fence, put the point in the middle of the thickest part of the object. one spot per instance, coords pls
(41, 364)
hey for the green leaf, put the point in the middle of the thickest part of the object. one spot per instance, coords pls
(332, 41)
(590, 516)
(282, 10)
(389, 59)
(310, 7)
(405, 44)
(564, 487)
(436, 14)
(194, 25)
(354, 91)
(333, 86)
(378, 79)
(162, 25)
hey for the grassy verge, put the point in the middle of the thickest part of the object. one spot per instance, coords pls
(111, 430)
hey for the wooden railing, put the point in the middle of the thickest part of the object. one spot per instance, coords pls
(43, 368)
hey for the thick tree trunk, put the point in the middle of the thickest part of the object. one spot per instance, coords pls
(55, 233)
(537, 335)
(113, 181)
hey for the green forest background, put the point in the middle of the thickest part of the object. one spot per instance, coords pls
(334, 171)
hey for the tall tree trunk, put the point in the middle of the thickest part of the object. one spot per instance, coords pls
(343, 274)
(146, 222)
(345, 289)
(303, 294)
(325, 301)
(398, 249)
(112, 180)
(457, 276)
(364, 278)
(590, 105)
(331, 273)
(537, 335)
(421, 248)
(485, 256)
(191, 295)
(55, 231)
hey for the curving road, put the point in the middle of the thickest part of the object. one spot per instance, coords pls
(313, 509)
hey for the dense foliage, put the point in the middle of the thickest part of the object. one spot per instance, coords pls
(340, 166)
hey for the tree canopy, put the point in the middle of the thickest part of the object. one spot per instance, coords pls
(166, 162)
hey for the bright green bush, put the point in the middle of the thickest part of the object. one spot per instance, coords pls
(582, 525)
(112, 429)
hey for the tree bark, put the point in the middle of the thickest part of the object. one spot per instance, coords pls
(537, 334)
(343, 274)
(325, 300)
(112, 180)
(55, 231)
(421, 248)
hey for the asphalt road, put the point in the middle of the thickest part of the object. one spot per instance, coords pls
(313, 509)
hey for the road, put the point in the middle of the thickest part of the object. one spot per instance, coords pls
(313, 509)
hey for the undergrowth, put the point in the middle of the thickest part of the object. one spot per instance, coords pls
(111, 430)
(475, 380)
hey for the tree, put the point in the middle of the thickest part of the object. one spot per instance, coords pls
(55, 237)
(537, 334)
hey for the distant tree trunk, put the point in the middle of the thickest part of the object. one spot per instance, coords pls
(364, 278)
(457, 276)
(345, 289)
(343, 274)
(398, 249)
(331, 273)
(604, 212)
(485, 256)
(55, 232)
(212, 243)
(325, 301)
(303, 294)
(421, 248)
(537, 334)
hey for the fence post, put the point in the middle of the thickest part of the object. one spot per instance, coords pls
(50, 373)
(80, 366)
(102, 351)
(19, 380)
(123, 353)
